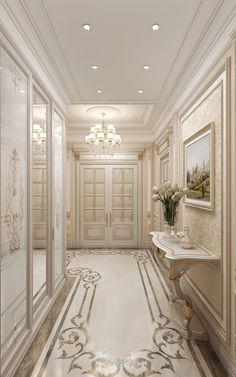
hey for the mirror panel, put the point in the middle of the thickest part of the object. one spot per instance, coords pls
(57, 196)
(14, 206)
(39, 192)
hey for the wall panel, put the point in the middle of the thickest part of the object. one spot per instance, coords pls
(14, 205)
(208, 227)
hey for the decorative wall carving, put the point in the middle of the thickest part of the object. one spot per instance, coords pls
(15, 202)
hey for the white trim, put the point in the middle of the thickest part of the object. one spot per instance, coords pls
(12, 30)
(196, 73)
(201, 359)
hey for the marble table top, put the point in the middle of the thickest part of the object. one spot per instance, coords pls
(174, 252)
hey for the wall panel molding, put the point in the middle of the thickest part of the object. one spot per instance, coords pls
(185, 121)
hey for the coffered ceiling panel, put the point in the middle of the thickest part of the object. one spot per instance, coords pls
(120, 43)
(120, 113)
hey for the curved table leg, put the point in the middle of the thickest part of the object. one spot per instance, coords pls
(177, 269)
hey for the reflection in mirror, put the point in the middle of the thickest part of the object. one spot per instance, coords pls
(14, 205)
(57, 192)
(39, 191)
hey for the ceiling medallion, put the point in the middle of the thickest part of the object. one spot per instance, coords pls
(102, 139)
(112, 112)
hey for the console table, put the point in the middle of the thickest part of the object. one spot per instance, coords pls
(180, 261)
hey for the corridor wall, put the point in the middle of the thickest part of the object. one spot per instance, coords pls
(212, 287)
(20, 319)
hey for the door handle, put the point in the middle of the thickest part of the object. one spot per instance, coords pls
(110, 218)
(106, 219)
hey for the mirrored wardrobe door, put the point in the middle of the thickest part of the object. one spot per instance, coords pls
(14, 205)
(39, 193)
(58, 248)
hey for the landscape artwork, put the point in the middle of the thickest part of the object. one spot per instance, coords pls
(199, 168)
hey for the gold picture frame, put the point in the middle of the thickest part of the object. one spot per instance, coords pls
(199, 174)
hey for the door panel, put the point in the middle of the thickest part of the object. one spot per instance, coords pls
(124, 206)
(92, 204)
(108, 203)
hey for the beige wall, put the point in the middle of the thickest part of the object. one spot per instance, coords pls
(206, 226)
(211, 287)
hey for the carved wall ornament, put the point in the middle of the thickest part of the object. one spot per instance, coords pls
(140, 156)
(77, 156)
(164, 141)
(15, 202)
(58, 208)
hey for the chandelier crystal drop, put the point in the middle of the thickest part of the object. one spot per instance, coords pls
(102, 139)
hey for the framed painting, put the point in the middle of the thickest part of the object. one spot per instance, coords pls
(199, 168)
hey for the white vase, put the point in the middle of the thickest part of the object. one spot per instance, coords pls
(186, 241)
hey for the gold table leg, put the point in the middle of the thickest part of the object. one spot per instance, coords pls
(177, 269)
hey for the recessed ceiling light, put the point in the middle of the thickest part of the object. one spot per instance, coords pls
(140, 91)
(22, 91)
(99, 91)
(86, 27)
(146, 67)
(94, 67)
(155, 27)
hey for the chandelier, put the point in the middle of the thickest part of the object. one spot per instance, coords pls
(102, 139)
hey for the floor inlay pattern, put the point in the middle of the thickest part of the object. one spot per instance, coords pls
(116, 321)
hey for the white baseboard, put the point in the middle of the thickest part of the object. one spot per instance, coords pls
(14, 362)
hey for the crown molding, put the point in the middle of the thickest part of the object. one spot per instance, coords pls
(84, 126)
(205, 57)
(75, 136)
(121, 101)
(17, 27)
(148, 111)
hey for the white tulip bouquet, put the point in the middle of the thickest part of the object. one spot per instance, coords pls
(169, 195)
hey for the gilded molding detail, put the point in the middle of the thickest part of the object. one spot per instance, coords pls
(15, 202)
(140, 156)
(76, 156)
(178, 269)
(165, 140)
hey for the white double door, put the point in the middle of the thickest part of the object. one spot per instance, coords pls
(108, 203)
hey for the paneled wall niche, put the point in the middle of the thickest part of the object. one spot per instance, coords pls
(163, 165)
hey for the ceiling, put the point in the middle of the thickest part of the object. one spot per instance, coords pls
(120, 43)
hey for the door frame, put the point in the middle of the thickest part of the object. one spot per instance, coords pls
(139, 165)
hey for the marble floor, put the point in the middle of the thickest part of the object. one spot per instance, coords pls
(113, 318)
